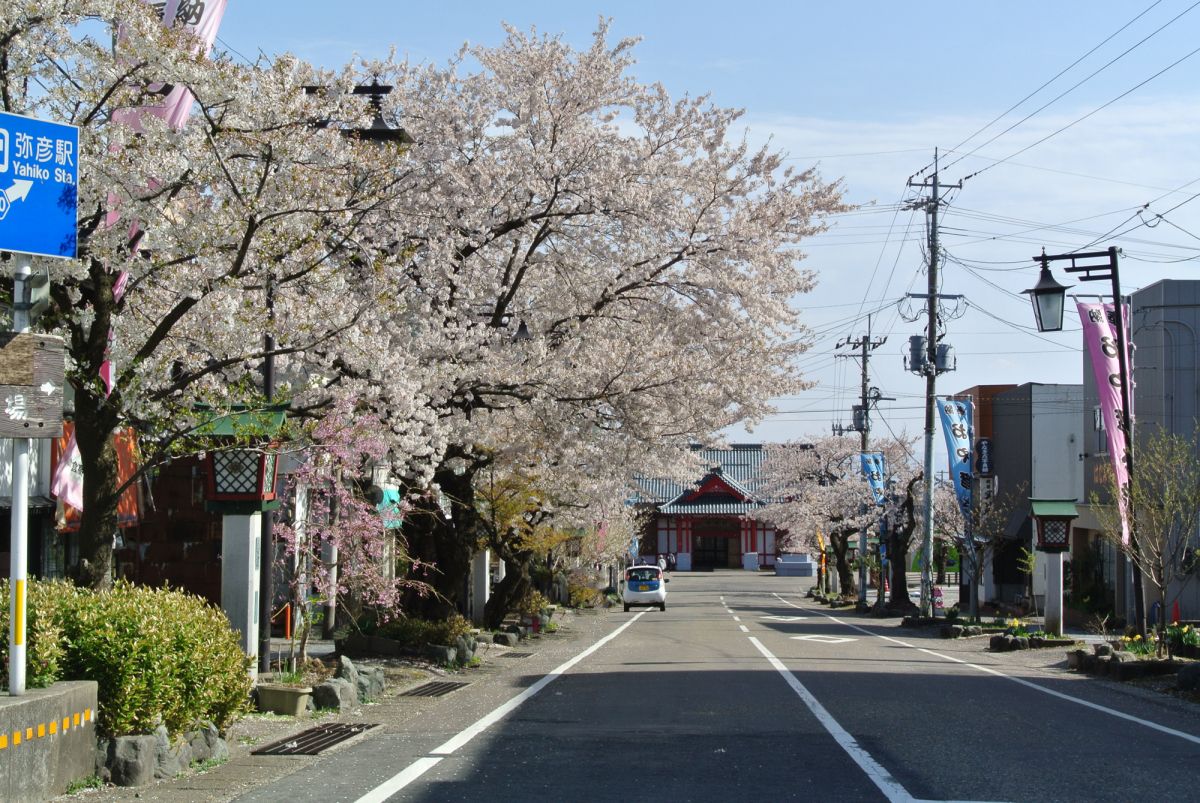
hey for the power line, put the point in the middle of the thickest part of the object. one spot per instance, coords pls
(1098, 109)
(1055, 78)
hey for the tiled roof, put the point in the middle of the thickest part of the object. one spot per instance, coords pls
(727, 509)
(738, 465)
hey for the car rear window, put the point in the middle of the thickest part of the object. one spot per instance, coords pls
(642, 574)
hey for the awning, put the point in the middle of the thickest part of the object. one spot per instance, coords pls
(1054, 507)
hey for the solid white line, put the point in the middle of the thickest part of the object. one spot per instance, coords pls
(744, 628)
(422, 765)
(890, 787)
(737, 618)
(1029, 684)
(393, 785)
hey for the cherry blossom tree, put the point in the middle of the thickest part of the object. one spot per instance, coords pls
(347, 552)
(181, 231)
(567, 266)
(644, 248)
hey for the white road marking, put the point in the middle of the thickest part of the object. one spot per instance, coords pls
(737, 618)
(824, 639)
(1027, 683)
(890, 787)
(783, 618)
(744, 628)
(422, 765)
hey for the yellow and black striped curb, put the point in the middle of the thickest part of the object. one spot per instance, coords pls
(44, 729)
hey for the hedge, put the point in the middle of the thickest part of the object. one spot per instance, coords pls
(159, 656)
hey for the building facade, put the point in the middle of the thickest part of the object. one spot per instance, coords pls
(711, 524)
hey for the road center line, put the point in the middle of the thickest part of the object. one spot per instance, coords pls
(890, 787)
(422, 765)
(1027, 683)
(744, 628)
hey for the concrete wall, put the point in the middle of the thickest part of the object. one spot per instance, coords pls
(47, 740)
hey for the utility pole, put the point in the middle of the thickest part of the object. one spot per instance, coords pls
(930, 369)
(862, 423)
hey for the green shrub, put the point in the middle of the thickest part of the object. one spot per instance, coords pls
(583, 596)
(43, 637)
(158, 656)
(533, 604)
(419, 632)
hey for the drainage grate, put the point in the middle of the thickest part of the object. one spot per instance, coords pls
(435, 689)
(314, 740)
(515, 654)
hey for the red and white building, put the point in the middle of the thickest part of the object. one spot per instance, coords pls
(711, 524)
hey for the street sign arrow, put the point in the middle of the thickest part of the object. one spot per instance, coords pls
(19, 190)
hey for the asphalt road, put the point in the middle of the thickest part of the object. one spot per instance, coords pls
(743, 690)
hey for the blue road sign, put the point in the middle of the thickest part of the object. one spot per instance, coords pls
(39, 177)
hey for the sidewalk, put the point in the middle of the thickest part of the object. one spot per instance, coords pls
(243, 773)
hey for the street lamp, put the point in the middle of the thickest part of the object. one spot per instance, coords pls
(1053, 518)
(1048, 296)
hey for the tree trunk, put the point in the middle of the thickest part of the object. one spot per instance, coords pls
(447, 544)
(898, 598)
(939, 562)
(95, 419)
(98, 522)
(846, 584)
(507, 593)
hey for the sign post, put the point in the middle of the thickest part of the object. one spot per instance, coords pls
(39, 179)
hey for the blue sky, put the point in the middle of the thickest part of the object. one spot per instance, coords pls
(867, 90)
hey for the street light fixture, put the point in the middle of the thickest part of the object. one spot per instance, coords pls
(1048, 298)
(1043, 295)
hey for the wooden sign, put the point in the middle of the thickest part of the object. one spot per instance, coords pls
(32, 371)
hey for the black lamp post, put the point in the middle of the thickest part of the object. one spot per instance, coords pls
(379, 132)
(1048, 296)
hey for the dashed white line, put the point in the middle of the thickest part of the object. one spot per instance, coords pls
(744, 628)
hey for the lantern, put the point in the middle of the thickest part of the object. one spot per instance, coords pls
(242, 462)
(241, 475)
(1048, 298)
(1052, 519)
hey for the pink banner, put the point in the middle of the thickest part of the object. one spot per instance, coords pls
(202, 18)
(1100, 337)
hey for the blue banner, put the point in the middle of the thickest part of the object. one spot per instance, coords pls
(959, 429)
(873, 469)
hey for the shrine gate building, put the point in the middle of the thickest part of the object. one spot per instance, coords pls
(711, 524)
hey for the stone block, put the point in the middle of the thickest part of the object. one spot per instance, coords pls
(346, 671)
(1188, 678)
(1020, 643)
(1075, 658)
(1101, 650)
(441, 654)
(173, 756)
(370, 683)
(506, 639)
(206, 743)
(133, 759)
(335, 693)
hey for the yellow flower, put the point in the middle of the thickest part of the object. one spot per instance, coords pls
(1187, 628)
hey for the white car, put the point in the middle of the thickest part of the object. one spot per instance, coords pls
(645, 585)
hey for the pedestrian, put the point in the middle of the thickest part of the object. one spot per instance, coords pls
(670, 561)
(662, 563)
